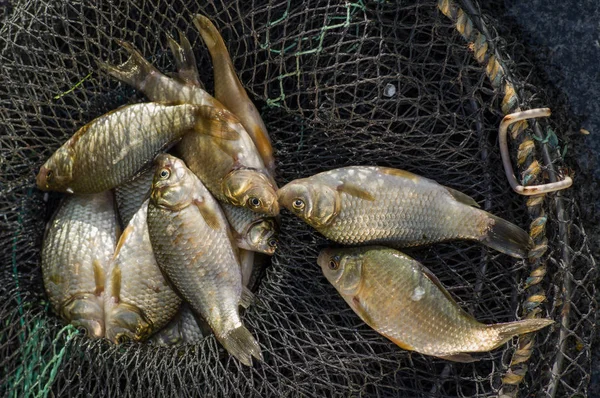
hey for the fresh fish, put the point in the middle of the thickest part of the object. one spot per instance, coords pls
(185, 328)
(252, 231)
(110, 149)
(230, 92)
(402, 300)
(195, 250)
(131, 195)
(138, 299)
(365, 204)
(79, 243)
(231, 169)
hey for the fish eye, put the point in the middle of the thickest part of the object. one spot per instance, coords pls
(49, 174)
(272, 242)
(298, 204)
(254, 202)
(164, 174)
(334, 263)
(82, 330)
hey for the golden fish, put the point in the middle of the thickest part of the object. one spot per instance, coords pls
(231, 169)
(368, 204)
(402, 300)
(110, 149)
(252, 231)
(138, 300)
(193, 247)
(230, 92)
(78, 245)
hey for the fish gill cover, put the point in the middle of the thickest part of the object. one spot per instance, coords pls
(400, 84)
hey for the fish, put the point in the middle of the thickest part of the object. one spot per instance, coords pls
(131, 195)
(187, 71)
(252, 231)
(402, 300)
(110, 149)
(230, 91)
(194, 248)
(232, 170)
(380, 205)
(78, 245)
(185, 328)
(138, 301)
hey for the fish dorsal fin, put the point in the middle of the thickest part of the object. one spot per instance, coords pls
(462, 198)
(399, 173)
(459, 357)
(356, 191)
(209, 216)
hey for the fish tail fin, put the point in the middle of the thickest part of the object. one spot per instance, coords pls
(506, 331)
(507, 238)
(184, 60)
(135, 71)
(241, 344)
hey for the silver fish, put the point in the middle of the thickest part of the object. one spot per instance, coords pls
(368, 204)
(194, 248)
(79, 243)
(138, 300)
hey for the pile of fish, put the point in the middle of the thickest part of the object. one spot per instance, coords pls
(196, 227)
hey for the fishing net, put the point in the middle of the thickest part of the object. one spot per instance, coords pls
(420, 86)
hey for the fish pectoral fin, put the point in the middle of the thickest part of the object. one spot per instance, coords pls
(209, 216)
(247, 297)
(356, 191)
(99, 276)
(427, 272)
(462, 198)
(115, 283)
(459, 357)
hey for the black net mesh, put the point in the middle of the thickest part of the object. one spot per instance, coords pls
(337, 83)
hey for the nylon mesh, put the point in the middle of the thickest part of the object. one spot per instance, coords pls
(337, 83)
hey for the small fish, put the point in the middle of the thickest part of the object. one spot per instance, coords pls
(78, 245)
(130, 195)
(402, 300)
(138, 299)
(194, 248)
(368, 204)
(231, 169)
(252, 231)
(185, 328)
(230, 92)
(110, 149)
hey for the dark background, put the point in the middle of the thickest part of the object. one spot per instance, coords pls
(564, 37)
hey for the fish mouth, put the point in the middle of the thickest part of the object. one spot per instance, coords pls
(40, 180)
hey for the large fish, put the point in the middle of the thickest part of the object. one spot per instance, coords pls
(230, 92)
(232, 170)
(78, 245)
(195, 250)
(110, 149)
(138, 299)
(402, 300)
(368, 204)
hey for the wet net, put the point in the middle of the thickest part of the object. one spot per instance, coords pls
(420, 86)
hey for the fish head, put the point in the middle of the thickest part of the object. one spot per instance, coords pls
(262, 236)
(125, 323)
(314, 202)
(172, 184)
(86, 312)
(57, 172)
(251, 189)
(342, 268)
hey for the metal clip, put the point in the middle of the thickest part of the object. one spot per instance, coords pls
(510, 175)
